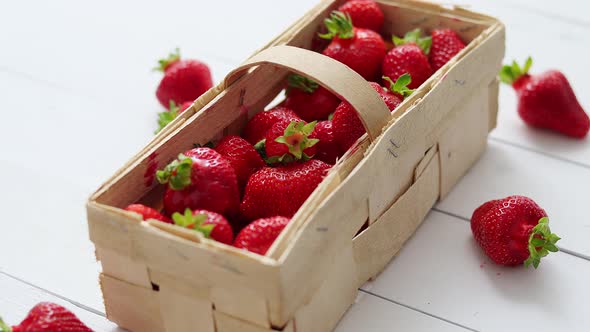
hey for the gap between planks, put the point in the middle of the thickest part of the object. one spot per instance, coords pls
(75, 303)
(456, 216)
(540, 152)
(418, 310)
(103, 315)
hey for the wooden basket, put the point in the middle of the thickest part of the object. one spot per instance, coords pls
(160, 277)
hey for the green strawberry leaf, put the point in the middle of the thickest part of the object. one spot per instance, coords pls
(164, 63)
(401, 85)
(338, 24)
(193, 221)
(302, 83)
(177, 174)
(414, 36)
(510, 73)
(166, 117)
(541, 243)
(4, 327)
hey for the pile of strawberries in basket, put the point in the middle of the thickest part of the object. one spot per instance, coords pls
(252, 185)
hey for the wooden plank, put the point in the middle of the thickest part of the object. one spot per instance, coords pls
(560, 188)
(18, 298)
(227, 323)
(132, 307)
(58, 231)
(372, 314)
(442, 271)
(375, 246)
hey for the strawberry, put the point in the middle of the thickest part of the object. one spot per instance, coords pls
(546, 100)
(409, 56)
(147, 212)
(365, 14)
(280, 191)
(184, 80)
(200, 179)
(348, 127)
(212, 225)
(47, 317)
(513, 230)
(327, 148)
(445, 45)
(309, 100)
(289, 141)
(360, 49)
(173, 111)
(259, 235)
(256, 128)
(242, 156)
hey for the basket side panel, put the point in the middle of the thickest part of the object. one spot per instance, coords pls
(130, 306)
(236, 285)
(227, 323)
(333, 297)
(403, 145)
(123, 267)
(375, 246)
(400, 148)
(182, 312)
(463, 143)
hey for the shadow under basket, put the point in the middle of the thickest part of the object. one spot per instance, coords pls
(160, 277)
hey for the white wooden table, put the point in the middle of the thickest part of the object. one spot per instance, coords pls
(77, 100)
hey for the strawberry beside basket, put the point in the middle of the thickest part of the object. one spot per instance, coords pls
(159, 277)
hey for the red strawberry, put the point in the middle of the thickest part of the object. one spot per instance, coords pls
(445, 45)
(184, 80)
(242, 156)
(360, 49)
(256, 128)
(309, 100)
(289, 141)
(280, 191)
(210, 224)
(348, 127)
(513, 230)
(200, 179)
(147, 212)
(47, 317)
(409, 56)
(258, 236)
(547, 100)
(365, 14)
(327, 148)
(173, 111)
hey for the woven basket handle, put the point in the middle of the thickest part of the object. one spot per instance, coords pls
(331, 74)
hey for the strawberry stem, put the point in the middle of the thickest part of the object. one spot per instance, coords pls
(414, 37)
(302, 83)
(177, 174)
(338, 25)
(296, 138)
(541, 243)
(193, 221)
(4, 327)
(166, 62)
(401, 85)
(511, 73)
(164, 118)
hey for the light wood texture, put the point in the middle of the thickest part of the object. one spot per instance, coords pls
(454, 266)
(372, 314)
(18, 298)
(561, 193)
(47, 78)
